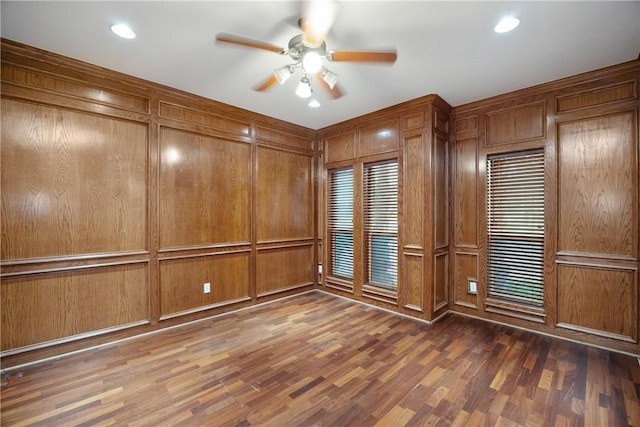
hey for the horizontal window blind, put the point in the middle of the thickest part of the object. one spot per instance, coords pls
(515, 222)
(381, 223)
(340, 222)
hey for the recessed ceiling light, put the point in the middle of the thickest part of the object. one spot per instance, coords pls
(123, 30)
(506, 24)
(313, 103)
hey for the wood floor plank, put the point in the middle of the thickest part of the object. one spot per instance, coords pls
(318, 360)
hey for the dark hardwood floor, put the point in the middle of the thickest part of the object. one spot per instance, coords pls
(318, 360)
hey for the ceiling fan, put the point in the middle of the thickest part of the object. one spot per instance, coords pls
(308, 50)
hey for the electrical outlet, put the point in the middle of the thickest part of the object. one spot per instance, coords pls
(473, 287)
(319, 268)
(207, 288)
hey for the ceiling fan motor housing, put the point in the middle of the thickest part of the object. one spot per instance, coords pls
(298, 48)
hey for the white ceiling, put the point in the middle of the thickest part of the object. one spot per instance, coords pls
(447, 48)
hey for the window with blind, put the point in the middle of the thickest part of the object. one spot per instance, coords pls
(340, 222)
(515, 222)
(381, 224)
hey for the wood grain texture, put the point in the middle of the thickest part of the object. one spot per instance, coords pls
(340, 147)
(46, 307)
(284, 268)
(423, 195)
(381, 138)
(182, 280)
(598, 96)
(413, 288)
(466, 124)
(74, 89)
(321, 194)
(72, 183)
(413, 191)
(588, 127)
(204, 190)
(440, 182)
(102, 171)
(440, 280)
(318, 360)
(465, 268)
(284, 138)
(441, 121)
(598, 299)
(192, 116)
(598, 185)
(465, 193)
(284, 195)
(515, 124)
(413, 121)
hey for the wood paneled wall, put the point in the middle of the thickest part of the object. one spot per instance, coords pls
(121, 198)
(415, 133)
(588, 127)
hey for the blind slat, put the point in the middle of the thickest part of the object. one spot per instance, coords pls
(381, 223)
(340, 222)
(515, 225)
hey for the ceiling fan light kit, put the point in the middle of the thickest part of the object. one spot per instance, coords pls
(304, 88)
(283, 73)
(312, 62)
(329, 77)
(308, 50)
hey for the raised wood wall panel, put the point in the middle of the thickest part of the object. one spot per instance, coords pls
(72, 183)
(465, 192)
(604, 301)
(320, 210)
(67, 87)
(204, 190)
(440, 174)
(413, 194)
(284, 195)
(441, 121)
(413, 269)
(44, 307)
(381, 138)
(414, 121)
(416, 133)
(284, 268)
(465, 268)
(515, 124)
(588, 127)
(182, 280)
(598, 96)
(598, 185)
(440, 280)
(102, 171)
(466, 124)
(340, 147)
(189, 115)
(285, 139)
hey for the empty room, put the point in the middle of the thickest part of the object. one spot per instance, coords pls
(320, 213)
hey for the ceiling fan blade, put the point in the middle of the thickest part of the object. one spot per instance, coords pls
(388, 56)
(335, 93)
(244, 41)
(317, 19)
(266, 83)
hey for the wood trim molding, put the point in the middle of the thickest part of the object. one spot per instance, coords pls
(78, 337)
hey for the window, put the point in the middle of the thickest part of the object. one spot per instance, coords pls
(340, 223)
(515, 222)
(381, 224)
